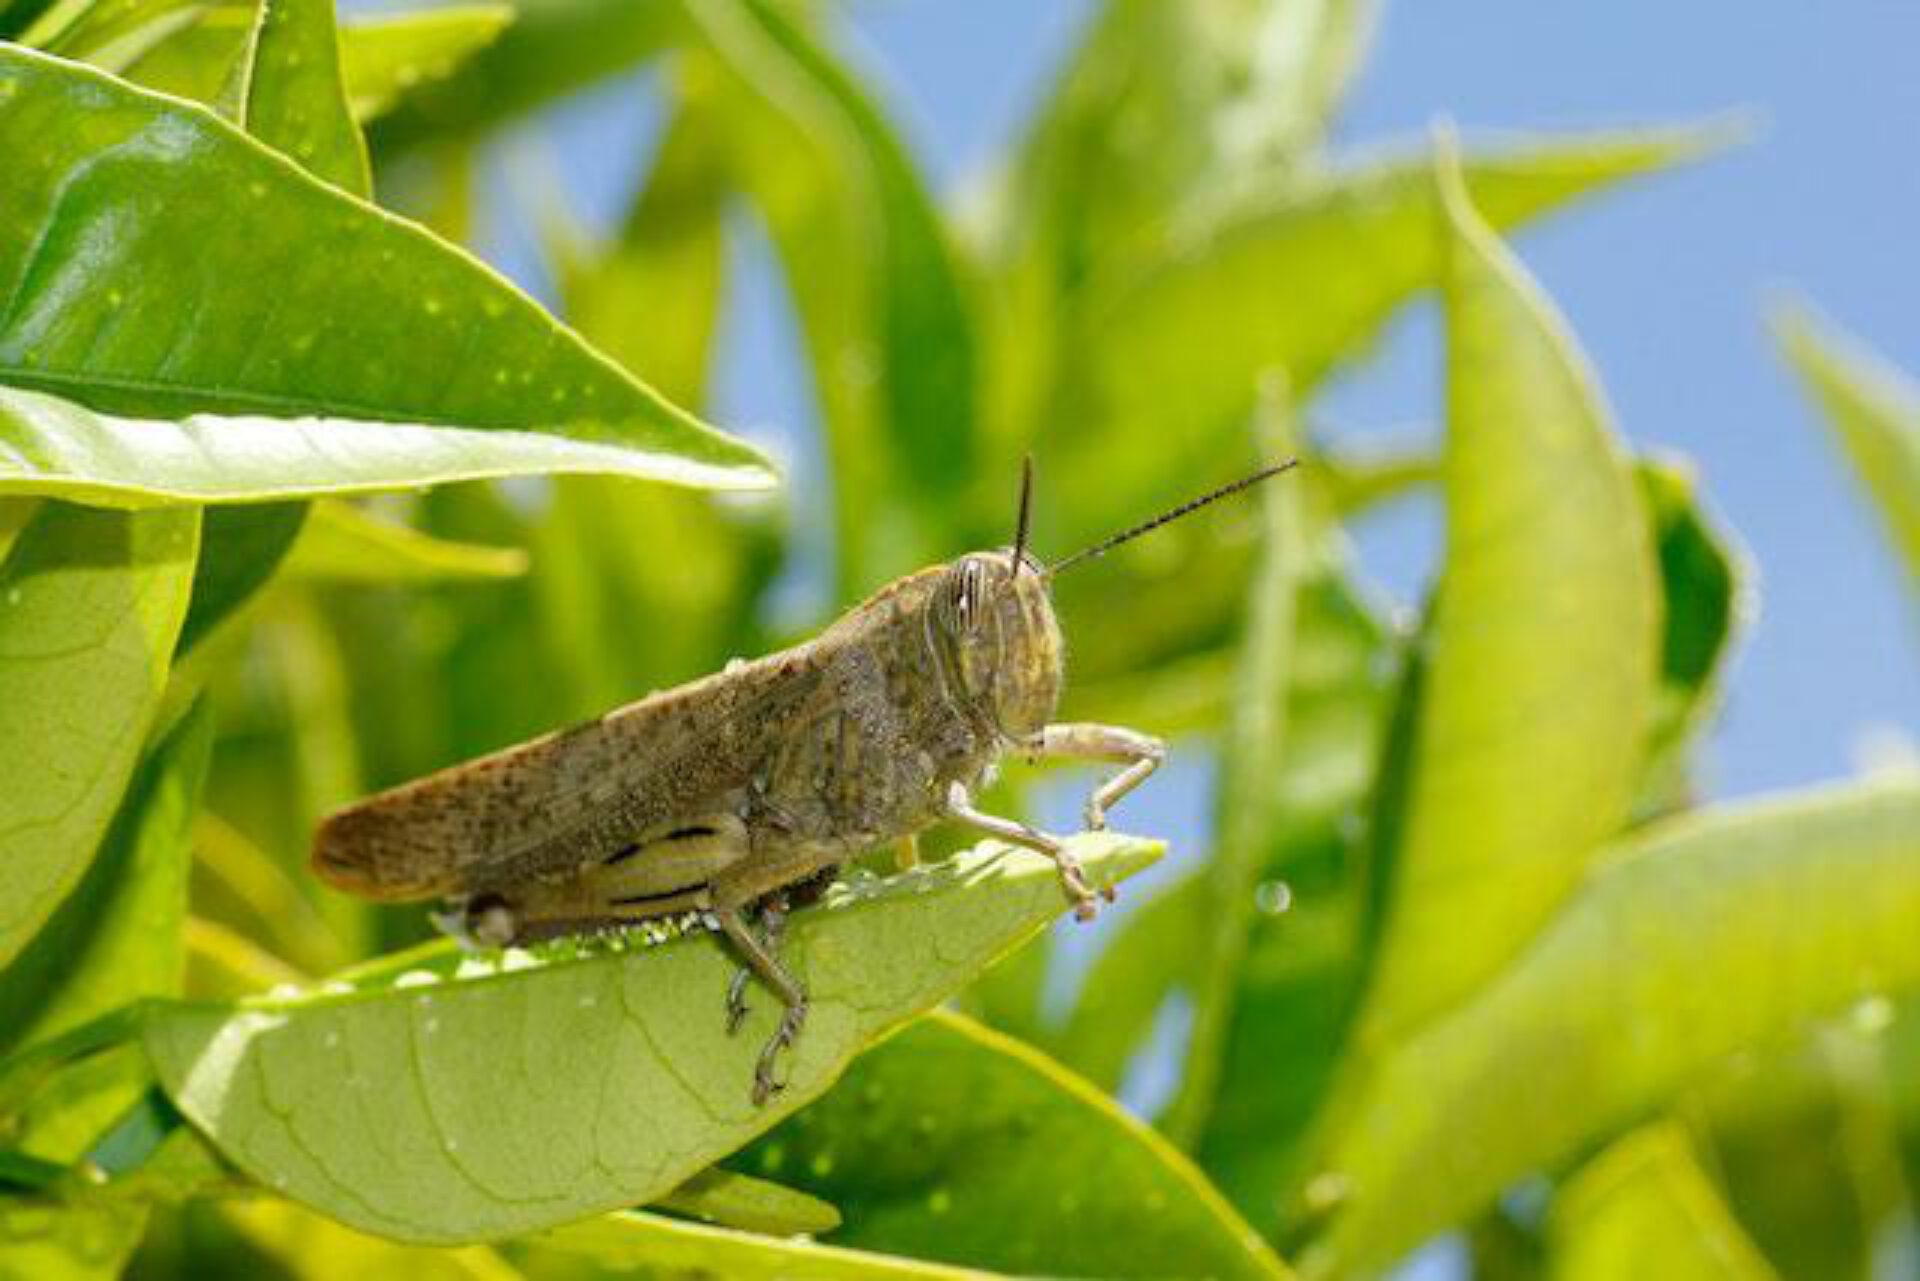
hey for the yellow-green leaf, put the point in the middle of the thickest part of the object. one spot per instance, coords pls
(134, 201)
(1539, 698)
(474, 1098)
(640, 1242)
(90, 605)
(343, 543)
(1644, 1199)
(1712, 932)
(1874, 410)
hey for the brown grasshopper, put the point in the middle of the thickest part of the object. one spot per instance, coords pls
(733, 792)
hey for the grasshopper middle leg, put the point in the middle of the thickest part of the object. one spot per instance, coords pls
(1138, 754)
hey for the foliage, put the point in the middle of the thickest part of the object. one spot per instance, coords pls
(299, 498)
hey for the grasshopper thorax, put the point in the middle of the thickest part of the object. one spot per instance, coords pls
(992, 623)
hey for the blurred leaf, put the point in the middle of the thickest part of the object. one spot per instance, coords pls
(388, 1105)
(386, 56)
(90, 603)
(1804, 1145)
(1539, 697)
(952, 1142)
(1708, 933)
(107, 33)
(1703, 576)
(1162, 106)
(551, 49)
(1645, 1198)
(875, 284)
(1363, 478)
(117, 937)
(752, 1205)
(312, 1248)
(1874, 410)
(1246, 803)
(382, 57)
(344, 543)
(1178, 352)
(101, 205)
(638, 1242)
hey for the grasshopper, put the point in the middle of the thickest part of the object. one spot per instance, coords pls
(747, 790)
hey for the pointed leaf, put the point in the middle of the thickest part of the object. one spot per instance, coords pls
(137, 201)
(1305, 284)
(1709, 933)
(294, 98)
(476, 1098)
(1539, 697)
(1647, 1198)
(953, 1142)
(90, 605)
(342, 543)
(632, 1242)
(1874, 410)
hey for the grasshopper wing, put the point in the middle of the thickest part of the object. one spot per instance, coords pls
(545, 807)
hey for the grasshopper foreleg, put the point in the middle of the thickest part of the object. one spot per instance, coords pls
(773, 927)
(762, 960)
(1072, 879)
(1138, 754)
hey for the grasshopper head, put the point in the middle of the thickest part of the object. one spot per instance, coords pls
(995, 616)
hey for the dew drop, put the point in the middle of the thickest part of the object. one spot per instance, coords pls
(821, 1165)
(588, 1001)
(331, 1040)
(13, 595)
(417, 978)
(939, 1201)
(1273, 897)
(1327, 1189)
(435, 306)
(773, 1157)
(431, 1026)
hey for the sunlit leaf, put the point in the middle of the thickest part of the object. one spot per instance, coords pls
(752, 1205)
(312, 1248)
(1177, 354)
(90, 604)
(1874, 410)
(955, 1143)
(135, 201)
(1540, 692)
(1712, 932)
(343, 543)
(648, 1243)
(388, 1105)
(1646, 1198)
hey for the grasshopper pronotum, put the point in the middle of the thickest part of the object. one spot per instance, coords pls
(731, 793)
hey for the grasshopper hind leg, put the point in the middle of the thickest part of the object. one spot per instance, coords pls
(762, 960)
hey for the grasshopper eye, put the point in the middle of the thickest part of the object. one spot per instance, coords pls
(970, 597)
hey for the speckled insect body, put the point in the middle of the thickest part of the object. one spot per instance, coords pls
(735, 793)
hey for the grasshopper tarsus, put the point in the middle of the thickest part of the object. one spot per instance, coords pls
(737, 999)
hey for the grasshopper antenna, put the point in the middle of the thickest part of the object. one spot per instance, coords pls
(1026, 508)
(1106, 545)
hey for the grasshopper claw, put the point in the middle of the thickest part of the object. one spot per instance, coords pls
(764, 1084)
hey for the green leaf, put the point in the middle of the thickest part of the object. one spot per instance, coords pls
(1180, 350)
(1646, 1198)
(385, 57)
(1874, 410)
(118, 936)
(382, 58)
(1703, 577)
(552, 48)
(293, 98)
(240, 548)
(136, 201)
(90, 605)
(343, 543)
(752, 1205)
(311, 1248)
(1539, 698)
(1720, 930)
(58, 448)
(389, 1105)
(639, 1242)
(953, 1142)
(871, 274)
(1162, 107)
